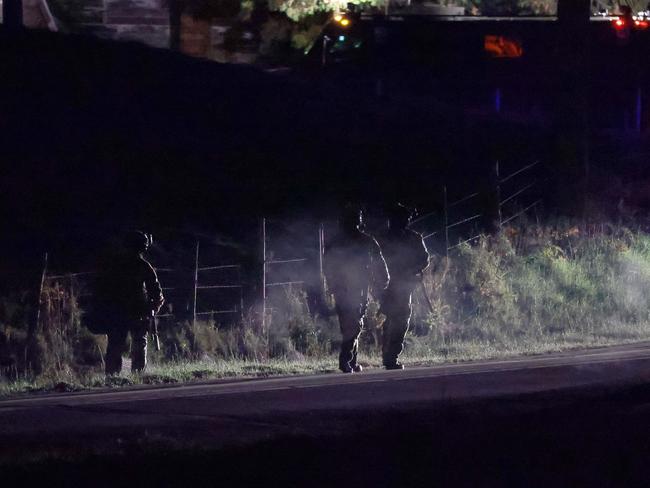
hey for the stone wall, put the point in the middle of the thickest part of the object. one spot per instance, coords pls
(145, 21)
(135, 12)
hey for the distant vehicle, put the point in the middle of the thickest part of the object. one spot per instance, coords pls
(627, 21)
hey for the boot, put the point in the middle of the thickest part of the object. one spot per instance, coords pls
(395, 365)
(346, 357)
(346, 368)
(356, 367)
(392, 363)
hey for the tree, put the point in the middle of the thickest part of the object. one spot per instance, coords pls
(297, 9)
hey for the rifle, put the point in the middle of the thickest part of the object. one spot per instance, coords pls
(153, 330)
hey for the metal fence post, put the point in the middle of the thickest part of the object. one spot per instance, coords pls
(71, 290)
(445, 220)
(263, 274)
(321, 252)
(497, 189)
(34, 328)
(196, 283)
(241, 294)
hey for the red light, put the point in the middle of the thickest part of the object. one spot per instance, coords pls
(619, 23)
(642, 24)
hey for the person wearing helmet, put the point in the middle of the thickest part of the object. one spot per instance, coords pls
(406, 258)
(352, 262)
(132, 295)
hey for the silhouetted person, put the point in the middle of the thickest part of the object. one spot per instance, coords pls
(406, 258)
(352, 262)
(131, 295)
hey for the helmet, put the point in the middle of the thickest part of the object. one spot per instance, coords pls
(400, 216)
(351, 217)
(138, 241)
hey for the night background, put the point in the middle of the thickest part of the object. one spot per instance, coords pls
(236, 132)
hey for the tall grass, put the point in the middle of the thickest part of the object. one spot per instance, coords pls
(531, 288)
(536, 284)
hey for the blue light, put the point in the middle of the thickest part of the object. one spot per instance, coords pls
(341, 38)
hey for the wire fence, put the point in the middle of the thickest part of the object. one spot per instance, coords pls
(286, 271)
(217, 291)
(466, 218)
(219, 283)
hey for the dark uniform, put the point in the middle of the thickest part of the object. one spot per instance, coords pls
(132, 295)
(406, 258)
(352, 262)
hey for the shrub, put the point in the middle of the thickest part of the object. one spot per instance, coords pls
(532, 281)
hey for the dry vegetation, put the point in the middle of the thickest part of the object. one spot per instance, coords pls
(530, 289)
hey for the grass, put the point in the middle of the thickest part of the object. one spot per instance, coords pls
(416, 354)
(529, 290)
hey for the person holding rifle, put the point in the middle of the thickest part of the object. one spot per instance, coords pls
(406, 259)
(131, 296)
(353, 267)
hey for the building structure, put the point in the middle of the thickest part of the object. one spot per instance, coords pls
(146, 21)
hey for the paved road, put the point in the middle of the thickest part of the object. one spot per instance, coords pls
(247, 411)
(574, 419)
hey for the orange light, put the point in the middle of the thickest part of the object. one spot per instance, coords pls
(502, 47)
(345, 22)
